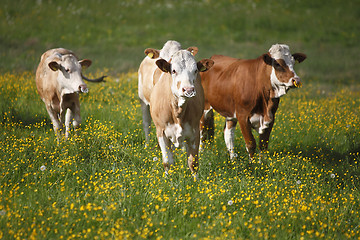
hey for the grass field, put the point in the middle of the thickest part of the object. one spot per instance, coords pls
(103, 184)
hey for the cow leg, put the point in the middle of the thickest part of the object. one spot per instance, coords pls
(167, 154)
(192, 150)
(146, 120)
(207, 125)
(229, 136)
(57, 126)
(250, 142)
(264, 137)
(76, 115)
(68, 117)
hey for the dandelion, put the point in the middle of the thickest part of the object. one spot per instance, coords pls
(230, 202)
(43, 168)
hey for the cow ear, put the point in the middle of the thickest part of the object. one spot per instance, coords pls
(205, 64)
(299, 57)
(85, 63)
(267, 59)
(54, 66)
(163, 65)
(193, 50)
(152, 53)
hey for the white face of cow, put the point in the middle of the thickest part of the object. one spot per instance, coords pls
(69, 76)
(283, 76)
(184, 72)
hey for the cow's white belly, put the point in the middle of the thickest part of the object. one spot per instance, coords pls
(258, 123)
(178, 134)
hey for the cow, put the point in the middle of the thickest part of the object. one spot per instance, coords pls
(148, 74)
(59, 82)
(177, 104)
(248, 92)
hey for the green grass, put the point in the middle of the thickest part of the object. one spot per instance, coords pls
(115, 33)
(103, 184)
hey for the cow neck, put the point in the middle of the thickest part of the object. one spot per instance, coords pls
(178, 108)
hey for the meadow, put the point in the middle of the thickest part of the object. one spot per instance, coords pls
(102, 183)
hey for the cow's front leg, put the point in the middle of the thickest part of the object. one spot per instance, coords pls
(57, 126)
(229, 136)
(166, 152)
(250, 142)
(264, 137)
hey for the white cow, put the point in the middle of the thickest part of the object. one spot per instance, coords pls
(148, 74)
(59, 81)
(177, 104)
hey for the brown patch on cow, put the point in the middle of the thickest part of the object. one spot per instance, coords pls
(282, 72)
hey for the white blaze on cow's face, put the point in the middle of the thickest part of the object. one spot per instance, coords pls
(283, 76)
(69, 76)
(184, 73)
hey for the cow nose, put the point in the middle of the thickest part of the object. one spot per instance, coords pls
(296, 81)
(189, 91)
(83, 88)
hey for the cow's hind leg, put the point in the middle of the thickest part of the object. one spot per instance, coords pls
(229, 136)
(207, 125)
(192, 150)
(167, 154)
(76, 115)
(68, 117)
(145, 108)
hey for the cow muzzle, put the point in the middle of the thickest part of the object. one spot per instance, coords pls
(189, 92)
(296, 81)
(83, 88)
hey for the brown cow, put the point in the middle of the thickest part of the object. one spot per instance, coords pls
(148, 74)
(249, 91)
(59, 81)
(177, 104)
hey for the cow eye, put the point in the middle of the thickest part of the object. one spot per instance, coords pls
(67, 70)
(278, 67)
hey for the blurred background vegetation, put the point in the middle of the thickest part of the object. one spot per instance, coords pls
(114, 33)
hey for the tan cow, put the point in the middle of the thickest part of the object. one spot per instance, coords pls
(249, 91)
(148, 74)
(177, 104)
(59, 81)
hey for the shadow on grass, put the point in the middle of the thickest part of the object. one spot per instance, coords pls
(24, 118)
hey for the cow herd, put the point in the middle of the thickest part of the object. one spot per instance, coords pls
(179, 94)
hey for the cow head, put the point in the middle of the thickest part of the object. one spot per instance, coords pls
(184, 71)
(283, 76)
(69, 76)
